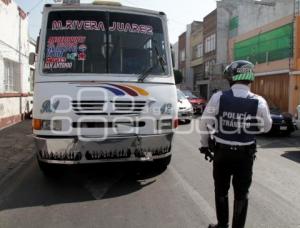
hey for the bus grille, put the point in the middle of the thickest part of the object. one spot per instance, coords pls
(118, 107)
(88, 107)
(125, 107)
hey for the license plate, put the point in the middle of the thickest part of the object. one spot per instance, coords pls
(283, 128)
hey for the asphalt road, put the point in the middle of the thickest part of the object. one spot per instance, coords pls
(132, 196)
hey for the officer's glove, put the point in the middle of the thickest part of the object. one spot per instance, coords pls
(208, 155)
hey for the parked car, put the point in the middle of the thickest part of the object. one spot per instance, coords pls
(297, 117)
(185, 108)
(198, 103)
(283, 122)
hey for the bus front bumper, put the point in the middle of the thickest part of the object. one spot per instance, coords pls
(71, 150)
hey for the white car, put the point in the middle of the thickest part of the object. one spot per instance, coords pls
(185, 108)
(298, 117)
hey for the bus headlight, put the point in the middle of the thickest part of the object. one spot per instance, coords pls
(57, 125)
(166, 109)
(47, 125)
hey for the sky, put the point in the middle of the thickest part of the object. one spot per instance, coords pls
(179, 13)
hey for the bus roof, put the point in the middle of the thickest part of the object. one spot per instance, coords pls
(83, 6)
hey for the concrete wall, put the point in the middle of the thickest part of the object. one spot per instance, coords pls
(252, 16)
(21, 105)
(270, 66)
(209, 28)
(189, 78)
(196, 38)
(223, 17)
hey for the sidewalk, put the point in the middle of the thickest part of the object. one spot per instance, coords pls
(16, 147)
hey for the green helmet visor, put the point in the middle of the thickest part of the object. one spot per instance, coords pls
(249, 76)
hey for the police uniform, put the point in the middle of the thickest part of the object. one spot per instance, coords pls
(232, 117)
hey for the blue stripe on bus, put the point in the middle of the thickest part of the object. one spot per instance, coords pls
(114, 90)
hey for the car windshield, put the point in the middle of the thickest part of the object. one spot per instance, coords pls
(188, 94)
(100, 42)
(180, 95)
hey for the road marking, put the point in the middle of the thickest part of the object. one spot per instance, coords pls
(203, 205)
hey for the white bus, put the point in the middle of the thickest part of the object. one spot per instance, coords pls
(104, 87)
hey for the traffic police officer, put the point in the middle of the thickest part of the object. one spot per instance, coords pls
(232, 118)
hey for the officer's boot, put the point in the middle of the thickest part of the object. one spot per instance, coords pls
(222, 211)
(239, 213)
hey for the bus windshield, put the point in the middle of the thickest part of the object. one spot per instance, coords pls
(101, 42)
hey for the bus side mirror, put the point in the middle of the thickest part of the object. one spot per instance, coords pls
(37, 44)
(31, 58)
(172, 56)
(173, 59)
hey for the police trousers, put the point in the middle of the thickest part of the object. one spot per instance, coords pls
(236, 165)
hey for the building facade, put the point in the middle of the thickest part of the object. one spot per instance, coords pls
(175, 55)
(15, 91)
(200, 83)
(209, 46)
(189, 75)
(268, 35)
(182, 57)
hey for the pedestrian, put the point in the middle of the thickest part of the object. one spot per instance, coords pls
(228, 127)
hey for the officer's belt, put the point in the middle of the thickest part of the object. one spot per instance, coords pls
(235, 147)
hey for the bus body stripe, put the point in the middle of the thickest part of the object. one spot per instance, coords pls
(130, 91)
(114, 90)
(139, 90)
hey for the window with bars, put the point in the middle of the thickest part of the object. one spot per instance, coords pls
(198, 51)
(208, 66)
(182, 55)
(11, 76)
(210, 43)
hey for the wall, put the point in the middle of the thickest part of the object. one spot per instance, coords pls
(14, 46)
(252, 16)
(274, 81)
(189, 79)
(196, 39)
(271, 66)
(14, 25)
(297, 44)
(223, 16)
(294, 93)
(265, 47)
(275, 88)
(209, 28)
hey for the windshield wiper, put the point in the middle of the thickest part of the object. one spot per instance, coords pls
(148, 71)
(160, 59)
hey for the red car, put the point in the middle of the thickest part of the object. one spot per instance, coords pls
(198, 103)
